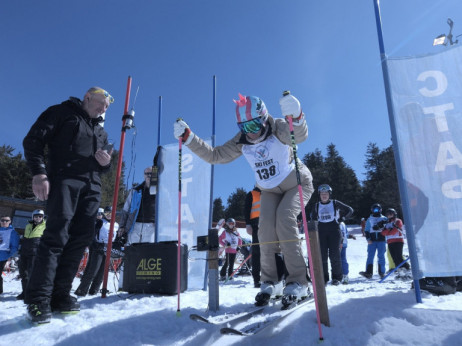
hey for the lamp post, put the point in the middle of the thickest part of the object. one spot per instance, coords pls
(444, 39)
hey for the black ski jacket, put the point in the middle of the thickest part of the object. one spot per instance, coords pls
(72, 138)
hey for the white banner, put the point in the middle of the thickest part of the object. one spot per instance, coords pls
(195, 204)
(427, 104)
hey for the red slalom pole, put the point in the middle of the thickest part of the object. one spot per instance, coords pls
(305, 225)
(116, 187)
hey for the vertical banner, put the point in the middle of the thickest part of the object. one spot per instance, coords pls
(195, 204)
(426, 94)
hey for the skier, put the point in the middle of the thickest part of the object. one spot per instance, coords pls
(29, 245)
(231, 241)
(93, 276)
(375, 241)
(394, 235)
(9, 243)
(329, 213)
(265, 142)
(345, 267)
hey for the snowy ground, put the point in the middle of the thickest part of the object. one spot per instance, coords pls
(364, 312)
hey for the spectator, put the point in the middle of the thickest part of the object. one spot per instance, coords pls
(345, 267)
(139, 213)
(29, 245)
(329, 213)
(252, 208)
(94, 271)
(394, 235)
(71, 185)
(231, 241)
(9, 243)
(266, 143)
(375, 241)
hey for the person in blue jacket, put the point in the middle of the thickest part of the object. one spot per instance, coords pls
(9, 243)
(376, 241)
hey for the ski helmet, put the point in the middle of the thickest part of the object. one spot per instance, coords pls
(324, 188)
(391, 211)
(376, 208)
(251, 113)
(100, 211)
(38, 212)
(108, 209)
(230, 220)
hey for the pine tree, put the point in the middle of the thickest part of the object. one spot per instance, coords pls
(236, 202)
(218, 210)
(15, 177)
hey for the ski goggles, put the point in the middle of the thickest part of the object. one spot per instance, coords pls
(251, 126)
(105, 93)
(5, 220)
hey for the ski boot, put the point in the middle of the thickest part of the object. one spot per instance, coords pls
(268, 289)
(345, 280)
(293, 293)
(39, 313)
(368, 273)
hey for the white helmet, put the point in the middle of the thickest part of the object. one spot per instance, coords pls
(38, 212)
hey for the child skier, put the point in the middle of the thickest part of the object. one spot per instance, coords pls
(231, 241)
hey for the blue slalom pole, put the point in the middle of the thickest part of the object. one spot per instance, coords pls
(399, 170)
(394, 269)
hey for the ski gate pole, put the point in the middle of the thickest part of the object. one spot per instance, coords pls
(125, 125)
(178, 265)
(305, 225)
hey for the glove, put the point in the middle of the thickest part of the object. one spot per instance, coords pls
(238, 249)
(290, 106)
(375, 227)
(181, 129)
(228, 243)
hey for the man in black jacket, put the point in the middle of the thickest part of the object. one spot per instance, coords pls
(71, 185)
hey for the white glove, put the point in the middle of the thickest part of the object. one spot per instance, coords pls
(290, 106)
(179, 127)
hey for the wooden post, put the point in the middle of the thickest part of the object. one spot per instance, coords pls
(318, 272)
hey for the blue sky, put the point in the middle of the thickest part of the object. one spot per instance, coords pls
(325, 52)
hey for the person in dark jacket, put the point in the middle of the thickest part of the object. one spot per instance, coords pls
(70, 183)
(375, 241)
(329, 213)
(252, 216)
(29, 245)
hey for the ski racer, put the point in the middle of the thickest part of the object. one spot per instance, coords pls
(265, 142)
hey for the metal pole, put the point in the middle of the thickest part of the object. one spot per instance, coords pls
(116, 189)
(399, 170)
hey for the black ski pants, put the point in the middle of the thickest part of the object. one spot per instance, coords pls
(396, 252)
(228, 265)
(256, 268)
(71, 207)
(93, 275)
(329, 240)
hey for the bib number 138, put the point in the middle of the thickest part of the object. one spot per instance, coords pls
(267, 173)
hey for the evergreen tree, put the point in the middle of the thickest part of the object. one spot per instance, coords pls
(236, 203)
(218, 212)
(381, 184)
(108, 183)
(15, 177)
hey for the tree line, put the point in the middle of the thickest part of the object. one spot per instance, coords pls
(380, 185)
(16, 179)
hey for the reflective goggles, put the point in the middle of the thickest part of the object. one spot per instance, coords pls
(251, 126)
(5, 220)
(105, 93)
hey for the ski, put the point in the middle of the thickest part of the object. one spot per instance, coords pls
(231, 320)
(271, 319)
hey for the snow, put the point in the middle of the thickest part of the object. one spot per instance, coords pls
(365, 312)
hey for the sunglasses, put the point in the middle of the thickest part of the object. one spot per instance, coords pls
(105, 93)
(148, 174)
(5, 220)
(251, 126)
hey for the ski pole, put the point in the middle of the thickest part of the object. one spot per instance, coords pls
(178, 267)
(305, 225)
(394, 269)
(240, 265)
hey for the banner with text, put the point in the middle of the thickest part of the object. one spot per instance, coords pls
(426, 95)
(195, 204)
